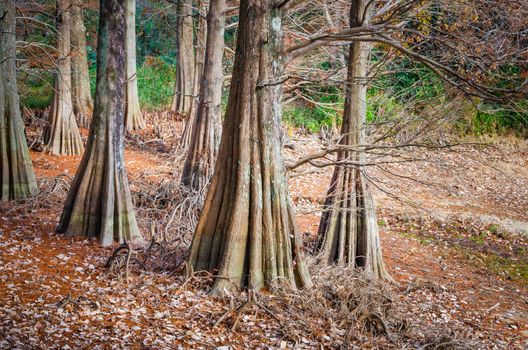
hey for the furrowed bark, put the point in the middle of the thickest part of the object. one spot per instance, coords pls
(201, 38)
(348, 231)
(16, 172)
(182, 102)
(62, 135)
(133, 117)
(99, 203)
(246, 234)
(82, 97)
(206, 126)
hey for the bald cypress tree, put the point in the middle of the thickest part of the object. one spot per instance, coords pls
(134, 119)
(16, 172)
(81, 94)
(348, 231)
(184, 91)
(246, 233)
(99, 202)
(62, 135)
(206, 125)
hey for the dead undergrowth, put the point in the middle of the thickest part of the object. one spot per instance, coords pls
(345, 309)
(56, 292)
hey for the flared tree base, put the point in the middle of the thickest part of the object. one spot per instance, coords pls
(348, 231)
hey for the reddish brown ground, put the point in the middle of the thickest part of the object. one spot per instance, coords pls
(55, 291)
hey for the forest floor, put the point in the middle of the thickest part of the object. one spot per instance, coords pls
(454, 230)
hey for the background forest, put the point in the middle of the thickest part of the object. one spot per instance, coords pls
(221, 174)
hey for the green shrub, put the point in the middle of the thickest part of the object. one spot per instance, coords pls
(485, 118)
(155, 84)
(35, 91)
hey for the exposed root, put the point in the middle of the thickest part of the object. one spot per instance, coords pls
(167, 210)
(120, 261)
(345, 306)
(375, 324)
(238, 312)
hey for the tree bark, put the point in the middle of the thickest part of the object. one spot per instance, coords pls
(62, 135)
(81, 94)
(183, 100)
(16, 172)
(99, 203)
(246, 234)
(133, 117)
(206, 126)
(348, 231)
(200, 47)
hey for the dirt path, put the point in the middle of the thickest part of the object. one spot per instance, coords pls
(54, 292)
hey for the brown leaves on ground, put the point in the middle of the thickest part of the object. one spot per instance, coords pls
(56, 293)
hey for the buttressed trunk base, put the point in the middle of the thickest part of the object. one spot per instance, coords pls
(99, 202)
(16, 172)
(62, 136)
(246, 234)
(348, 232)
(206, 126)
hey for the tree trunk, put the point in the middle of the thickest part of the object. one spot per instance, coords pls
(206, 126)
(62, 135)
(246, 234)
(200, 46)
(133, 117)
(182, 102)
(201, 37)
(16, 172)
(348, 232)
(81, 94)
(99, 203)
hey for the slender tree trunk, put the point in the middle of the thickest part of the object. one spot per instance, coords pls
(16, 172)
(133, 116)
(99, 203)
(348, 232)
(201, 37)
(206, 126)
(246, 234)
(81, 94)
(201, 42)
(183, 99)
(62, 135)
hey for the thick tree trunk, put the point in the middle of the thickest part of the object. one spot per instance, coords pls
(201, 37)
(16, 172)
(246, 234)
(99, 203)
(206, 126)
(81, 94)
(133, 117)
(348, 232)
(183, 99)
(62, 135)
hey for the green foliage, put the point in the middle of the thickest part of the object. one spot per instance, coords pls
(155, 84)
(326, 112)
(406, 81)
(35, 92)
(493, 118)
